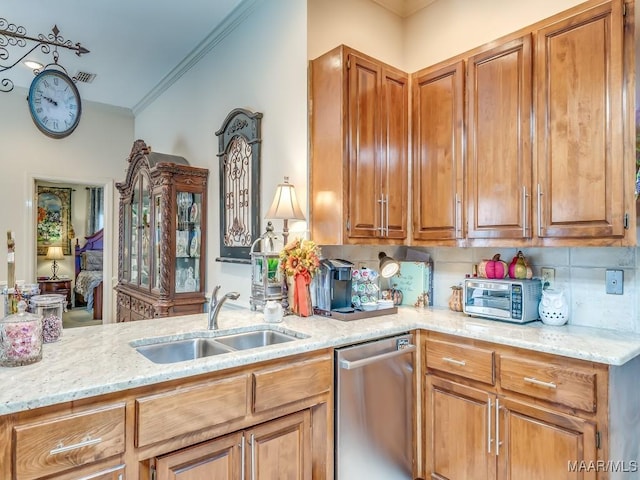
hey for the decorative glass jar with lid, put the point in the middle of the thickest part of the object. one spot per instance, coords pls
(50, 307)
(20, 338)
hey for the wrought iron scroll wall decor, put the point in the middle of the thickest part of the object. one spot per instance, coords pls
(239, 141)
(14, 36)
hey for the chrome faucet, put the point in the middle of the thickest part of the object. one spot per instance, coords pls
(215, 305)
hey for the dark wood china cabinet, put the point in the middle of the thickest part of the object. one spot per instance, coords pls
(162, 236)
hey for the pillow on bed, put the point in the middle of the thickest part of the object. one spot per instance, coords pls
(91, 260)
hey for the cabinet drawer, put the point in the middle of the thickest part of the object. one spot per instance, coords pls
(286, 384)
(568, 386)
(186, 410)
(459, 359)
(52, 446)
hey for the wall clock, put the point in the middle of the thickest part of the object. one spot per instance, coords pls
(54, 102)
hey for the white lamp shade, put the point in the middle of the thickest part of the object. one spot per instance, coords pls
(285, 203)
(55, 253)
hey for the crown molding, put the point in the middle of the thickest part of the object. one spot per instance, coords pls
(404, 8)
(228, 25)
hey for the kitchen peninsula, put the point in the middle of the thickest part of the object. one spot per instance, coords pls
(102, 382)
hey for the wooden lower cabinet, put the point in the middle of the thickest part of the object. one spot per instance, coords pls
(279, 449)
(220, 459)
(114, 473)
(540, 419)
(476, 434)
(255, 419)
(539, 444)
(457, 422)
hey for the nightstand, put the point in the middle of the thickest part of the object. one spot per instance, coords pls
(61, 286)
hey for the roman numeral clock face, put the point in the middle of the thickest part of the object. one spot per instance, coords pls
(54, 103)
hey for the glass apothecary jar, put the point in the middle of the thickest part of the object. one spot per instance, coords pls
(50, 308)
(20, 338)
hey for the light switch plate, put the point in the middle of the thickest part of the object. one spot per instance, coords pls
(615, 282)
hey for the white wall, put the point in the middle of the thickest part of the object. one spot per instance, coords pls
(449, 27)
(94, 154)
(360, 24)
(260, 66)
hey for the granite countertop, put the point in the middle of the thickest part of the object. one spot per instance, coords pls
(90, 361)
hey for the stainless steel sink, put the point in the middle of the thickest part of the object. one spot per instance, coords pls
(181, 350)
(258, 338)
(210, 342)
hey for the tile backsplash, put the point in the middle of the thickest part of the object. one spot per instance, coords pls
(580, 272)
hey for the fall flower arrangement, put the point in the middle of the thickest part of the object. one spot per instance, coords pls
(300, 259)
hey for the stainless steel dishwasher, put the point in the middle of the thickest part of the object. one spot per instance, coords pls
(374, 410)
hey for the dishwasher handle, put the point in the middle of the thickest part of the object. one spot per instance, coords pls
(351, 365)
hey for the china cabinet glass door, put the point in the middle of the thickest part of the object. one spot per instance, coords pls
(145, 234)
(126, 248)
(188, 237)
(135, 223)
(157, 202)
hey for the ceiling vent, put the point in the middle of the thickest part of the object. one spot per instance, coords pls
(84, 77)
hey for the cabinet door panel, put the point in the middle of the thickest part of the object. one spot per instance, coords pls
(393, 161)
(219, 459)
(281, 449)
(182, 411)
(499, 141)
(438, 98)
(539, 444)
(579, 105)
(364, 143)
(459, 443)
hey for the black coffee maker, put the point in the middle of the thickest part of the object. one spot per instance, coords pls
(333, 286)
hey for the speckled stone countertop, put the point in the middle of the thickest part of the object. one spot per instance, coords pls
(90, 361)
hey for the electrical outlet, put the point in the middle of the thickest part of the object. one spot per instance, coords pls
(548, 277)
(615, 282)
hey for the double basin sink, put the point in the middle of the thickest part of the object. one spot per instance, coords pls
(208, 343)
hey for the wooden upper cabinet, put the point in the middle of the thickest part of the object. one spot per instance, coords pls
(359, 137)
(437, 129)
(364, 143)
(499, 169)
(580, 115)
(394, 164)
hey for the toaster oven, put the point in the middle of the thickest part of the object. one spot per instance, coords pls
(502, 299)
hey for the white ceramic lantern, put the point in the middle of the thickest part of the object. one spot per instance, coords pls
(553, 308)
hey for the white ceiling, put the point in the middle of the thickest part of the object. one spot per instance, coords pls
(133, 44)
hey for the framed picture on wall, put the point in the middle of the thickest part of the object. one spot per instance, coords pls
(54, 219)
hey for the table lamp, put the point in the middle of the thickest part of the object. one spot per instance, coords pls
(55, 254)
(285, 207)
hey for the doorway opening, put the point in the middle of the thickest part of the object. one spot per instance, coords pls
(77, 215)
